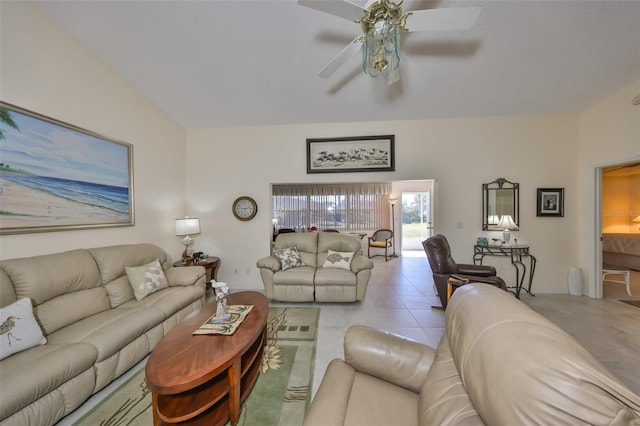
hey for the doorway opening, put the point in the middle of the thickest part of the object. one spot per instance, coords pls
(619, 220)
(417, 220)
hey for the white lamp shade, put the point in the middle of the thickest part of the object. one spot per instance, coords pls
(507, 223)
(187, 226)
(637, 219)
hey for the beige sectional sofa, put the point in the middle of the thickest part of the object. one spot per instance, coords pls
(321, 278)
(95, 329)
(498, 363)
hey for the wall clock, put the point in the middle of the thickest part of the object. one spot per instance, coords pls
(244, 208)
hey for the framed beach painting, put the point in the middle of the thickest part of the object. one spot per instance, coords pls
(351, 154)
(58, 177)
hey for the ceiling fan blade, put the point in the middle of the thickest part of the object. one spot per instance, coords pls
(351, 49)
(342, 8)
(362, 3)
(459, 18)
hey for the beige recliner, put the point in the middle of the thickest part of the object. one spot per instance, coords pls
(313, 282)
(498, 363)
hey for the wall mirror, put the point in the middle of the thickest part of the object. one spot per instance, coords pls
(499, 198)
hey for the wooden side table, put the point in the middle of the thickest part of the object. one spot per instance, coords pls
(452, 284)
(210, 264)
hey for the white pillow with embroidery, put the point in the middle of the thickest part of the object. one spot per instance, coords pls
(20, 330)
(289, 258)
(338, 259)
(146, 279)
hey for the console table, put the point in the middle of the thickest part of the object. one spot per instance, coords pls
(204, 379)
(516, 253)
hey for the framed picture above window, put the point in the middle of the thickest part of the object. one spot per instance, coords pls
(550, 202)
(57, 177)
(351, 154)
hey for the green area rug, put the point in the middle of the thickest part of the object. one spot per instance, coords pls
(281, 394)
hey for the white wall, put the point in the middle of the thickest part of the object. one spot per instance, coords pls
(460, 153)
(45, 70)
(609, 133)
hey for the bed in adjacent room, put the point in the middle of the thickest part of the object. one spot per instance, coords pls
(621, 251)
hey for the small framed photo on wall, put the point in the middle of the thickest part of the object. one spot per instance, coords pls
(550, 202)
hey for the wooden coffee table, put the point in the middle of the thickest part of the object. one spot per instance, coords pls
(204, 379)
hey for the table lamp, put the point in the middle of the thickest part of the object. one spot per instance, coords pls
(637, 220)
(507, 224)
(185, 227)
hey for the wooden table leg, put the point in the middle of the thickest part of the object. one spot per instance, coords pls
(154, 408)
(235, 375)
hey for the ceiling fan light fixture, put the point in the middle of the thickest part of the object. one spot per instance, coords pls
(381, 53)
(381, 26)
(382, 22)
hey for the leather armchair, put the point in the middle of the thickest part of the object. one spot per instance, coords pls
(443, 266)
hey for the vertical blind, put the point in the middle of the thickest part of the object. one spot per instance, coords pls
(342, 206)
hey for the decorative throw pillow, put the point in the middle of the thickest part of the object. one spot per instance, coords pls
(289, 258)
(338, 259)
(146, 279)
(20, 330)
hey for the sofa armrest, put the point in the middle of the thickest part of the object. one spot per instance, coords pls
(185, 275)
(269, 262)
(360, 263)
(331, 401)
(478, 270)
(388, 356)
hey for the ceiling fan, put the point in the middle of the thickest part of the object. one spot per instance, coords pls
(381, 22)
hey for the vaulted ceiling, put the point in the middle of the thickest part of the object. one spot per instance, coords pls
(240, 62)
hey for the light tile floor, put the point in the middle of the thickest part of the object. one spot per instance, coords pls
(400, 295)
(399, 298)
